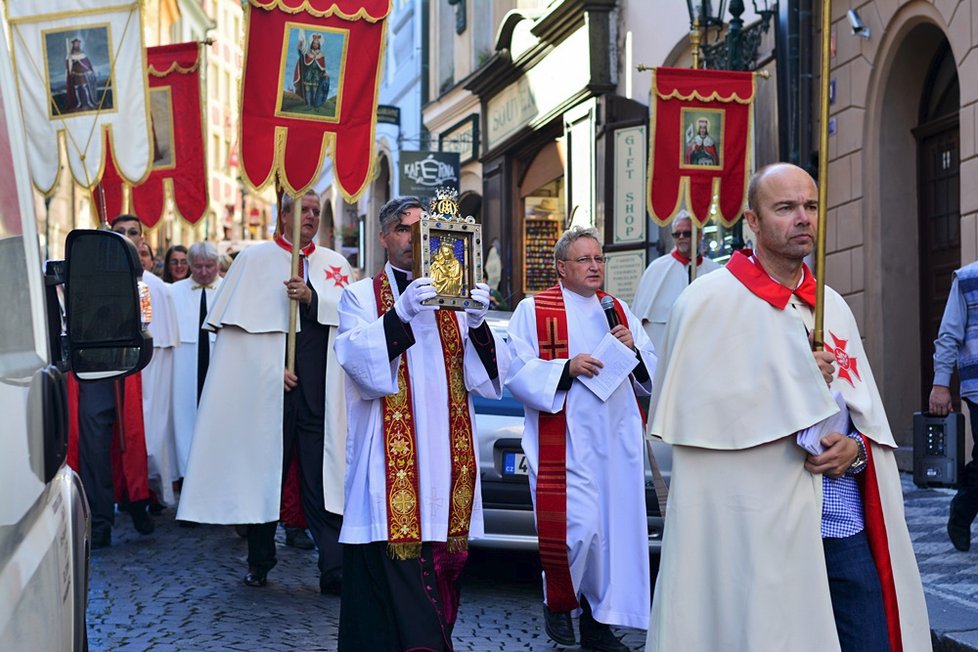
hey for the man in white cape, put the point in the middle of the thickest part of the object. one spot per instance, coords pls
(666, 277)
(585, 455)
(754, 522)
(412, 489)
(191, 297)
(247, 427)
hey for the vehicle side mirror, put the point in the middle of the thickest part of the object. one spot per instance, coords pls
(106, 337)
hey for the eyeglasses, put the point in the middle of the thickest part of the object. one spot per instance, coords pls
(682, 234)
(586, 260)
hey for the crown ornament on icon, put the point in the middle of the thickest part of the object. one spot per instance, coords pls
(444, 206)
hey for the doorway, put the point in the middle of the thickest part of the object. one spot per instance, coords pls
(938, 194)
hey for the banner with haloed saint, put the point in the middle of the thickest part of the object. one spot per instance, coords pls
(701, 134)
(178, 143)
(81, 72)
(311, 78)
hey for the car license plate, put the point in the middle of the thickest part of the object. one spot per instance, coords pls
(515, 464)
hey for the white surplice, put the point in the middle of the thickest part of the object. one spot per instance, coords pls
(661, 284)
(607, 526)
(234, 472)
(186, 300)
(362, 350)
(157, 379)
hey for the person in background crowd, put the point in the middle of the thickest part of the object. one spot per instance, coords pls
(146, 258)
(957, 344)
(176, 265)
(667, 276)
(192, 296)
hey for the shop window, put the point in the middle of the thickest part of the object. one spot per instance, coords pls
(543, 224)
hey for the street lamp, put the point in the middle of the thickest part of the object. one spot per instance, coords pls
(738, 51)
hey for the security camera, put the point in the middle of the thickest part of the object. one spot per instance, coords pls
(858, 27)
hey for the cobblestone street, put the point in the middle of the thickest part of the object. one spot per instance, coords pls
(180, 589)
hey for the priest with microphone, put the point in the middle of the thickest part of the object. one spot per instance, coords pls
(579, 359)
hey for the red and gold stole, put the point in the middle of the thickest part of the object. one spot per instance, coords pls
(400, 443)
(551, 502)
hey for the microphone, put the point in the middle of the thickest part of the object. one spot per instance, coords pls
(608, 305)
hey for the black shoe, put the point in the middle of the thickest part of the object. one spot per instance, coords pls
(141, 520)
(254, 578)
(331, 583)
(156, 509)
(101, 539)
(241, 531)
(959, 531)
(598, 636)
(187, 524)
(559, 626)
(296, 537)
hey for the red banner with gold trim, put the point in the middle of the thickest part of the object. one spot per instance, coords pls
(702, 135)
(178, 143)
(311, 80)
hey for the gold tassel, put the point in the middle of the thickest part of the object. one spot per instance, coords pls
(457, 544)
(404, 551)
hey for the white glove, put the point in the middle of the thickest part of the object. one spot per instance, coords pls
(477, 314)
(408, 305)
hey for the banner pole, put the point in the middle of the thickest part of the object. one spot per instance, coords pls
(818, 339)
(694, 40)
(294, 271)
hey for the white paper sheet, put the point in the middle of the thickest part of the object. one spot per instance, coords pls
(811, 437)
(618, 361)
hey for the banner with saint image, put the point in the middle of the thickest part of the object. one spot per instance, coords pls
(81, 71)
(177, 128)
(311, 78)
(702, 134)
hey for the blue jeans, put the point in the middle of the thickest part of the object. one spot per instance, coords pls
(857, 600)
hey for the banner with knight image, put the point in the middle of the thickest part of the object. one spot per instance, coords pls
(311, 81)
(701, 135)
(177, 127)
(80, 69)
(312, 72)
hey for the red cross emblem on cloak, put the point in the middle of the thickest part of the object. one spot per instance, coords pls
(336, 275)
(847, 364)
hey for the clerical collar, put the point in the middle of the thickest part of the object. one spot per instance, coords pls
(683, 259)
(747, 269)
(284, 243)
(402, 278)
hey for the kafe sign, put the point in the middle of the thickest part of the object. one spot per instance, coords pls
(422, 172)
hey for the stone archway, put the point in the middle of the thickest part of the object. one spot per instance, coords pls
(892, 303)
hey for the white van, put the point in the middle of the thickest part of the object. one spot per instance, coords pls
(44, 518)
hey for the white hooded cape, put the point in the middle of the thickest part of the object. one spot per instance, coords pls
(234, 472)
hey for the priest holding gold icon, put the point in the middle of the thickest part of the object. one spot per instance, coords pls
(412, 485)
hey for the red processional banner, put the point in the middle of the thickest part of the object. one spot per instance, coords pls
(702, 134)
(178, 143)
(311, 79)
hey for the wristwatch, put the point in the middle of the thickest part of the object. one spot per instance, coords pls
(859, 464)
